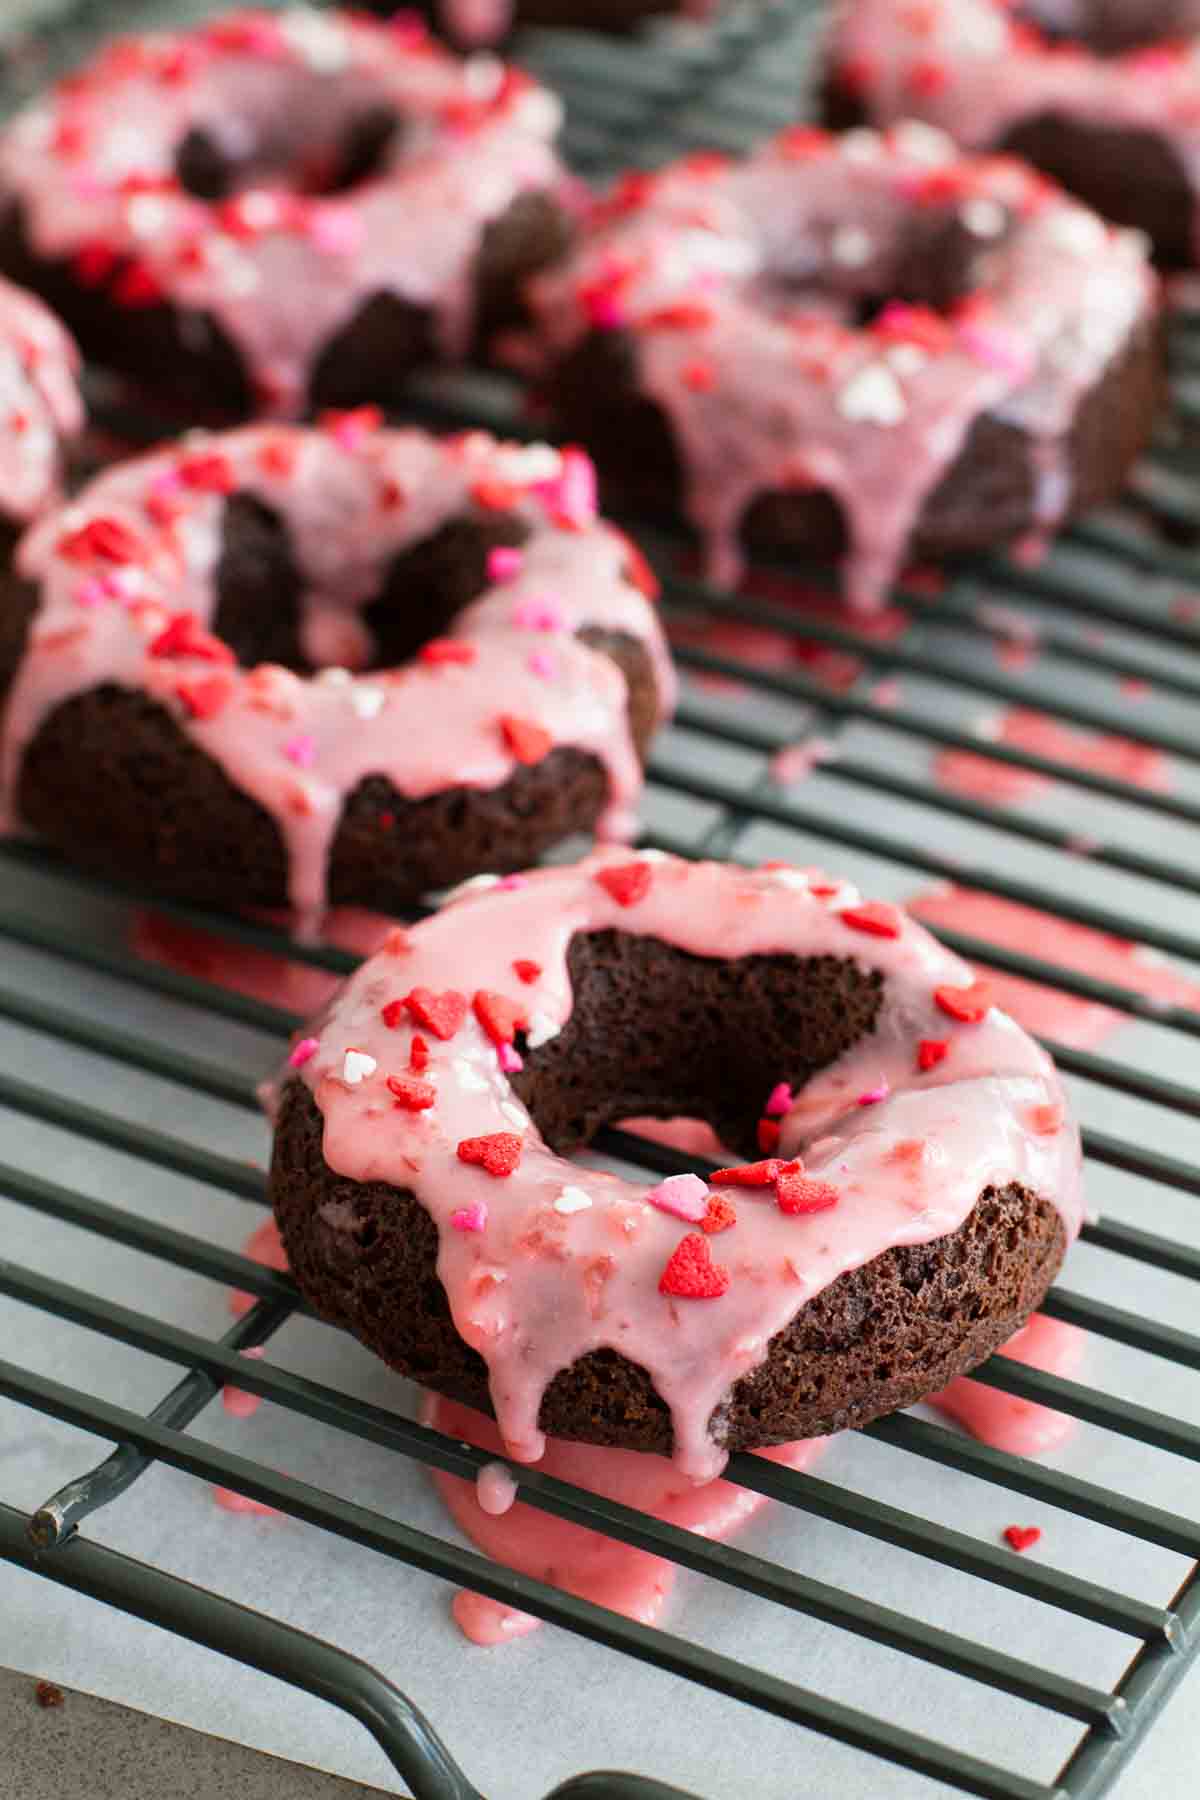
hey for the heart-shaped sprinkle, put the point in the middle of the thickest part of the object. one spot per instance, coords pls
(779, 1100)
(500, 1017)
(691, 1274)
(356, 1065)
(627, 882)
(572, 1200)
(966, 1004)
(873, 918)
(686, 1196)
(503, 562)
(303, 1052)
(931, 1051)
(470, 1218)
(411, 1093)
(768, 1136)
(446, 650)
(528, 741)
(800, 1194)
(393, 1014)
(756, 1174)
(527, 971)
(719, 1215)
(443, 1014)
(418, 1055)
(873, 1095)
(509, 1060)
(1022, 1537)
(498, 1153)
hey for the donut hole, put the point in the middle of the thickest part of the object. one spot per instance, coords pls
(260, 589)
(311, 137)
(657, 1031)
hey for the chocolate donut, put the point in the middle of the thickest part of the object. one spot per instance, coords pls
(911, 1182)
(281, 209)
(865, 344)
(1104, 95)
(40, 411)
(297, 667)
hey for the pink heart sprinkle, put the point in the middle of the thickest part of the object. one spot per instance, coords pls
(686, 1196)
(503, 562)
(780, 1100)
(306, 1048)
(874, 1095)
(470, 1218)
(538, 614)
(510, 1062)
(302, 751)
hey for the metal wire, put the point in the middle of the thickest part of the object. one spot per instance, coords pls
(641, 104)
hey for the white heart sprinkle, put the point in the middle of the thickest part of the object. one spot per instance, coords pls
(357, 1064)
(984, 218)
(873, 396)
(572, 1200)
(367, 701)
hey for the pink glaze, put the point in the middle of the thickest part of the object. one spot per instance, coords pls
(738, 283)
(93, 166)
(541, 1285)
(586, 1563)
(975, 68)
(351, 506)
(40, 405)
(1019, 1426)
(1101, 753)
(1083, 1024)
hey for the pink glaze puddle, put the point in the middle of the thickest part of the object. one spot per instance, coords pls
(1019, 1426)
(980, 778)
(586, 1563)
(296, 987)
(1083, 1024)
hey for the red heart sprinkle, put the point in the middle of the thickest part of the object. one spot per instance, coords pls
(967, 1004)
(185, 636)
(204, 699)
(638, 570)
(397, 942)
(931, 1051)
(208, 473)
(443, 1014)
(108, 539)
(682, 315)
(799, 1194)
(756, 1174)
(720, 1215)
(495, 496)
(446, 650)
(393, 1014)
(277, 457)
(528, 742)
(873, 917)
(500, 1017)
(136, 286)
(627, 883)
(92, 264)
(768, 1135)
(410, 1093)
(527, 971)
(498, 1153)
(1022, 1537)
(691, 1274)
(418, 1056)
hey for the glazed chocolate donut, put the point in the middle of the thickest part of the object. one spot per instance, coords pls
(206, 697)
(1104, 95)
(911, 1185)
(40, 411)
(280, 209)
(864, 343)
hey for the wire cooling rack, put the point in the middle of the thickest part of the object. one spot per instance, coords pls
(1102, 636)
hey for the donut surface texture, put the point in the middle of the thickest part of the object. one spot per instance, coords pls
(862, 343)
(287, 666)
(281, 209)
(1104, 95)
(40, 408)
(911, 1185)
